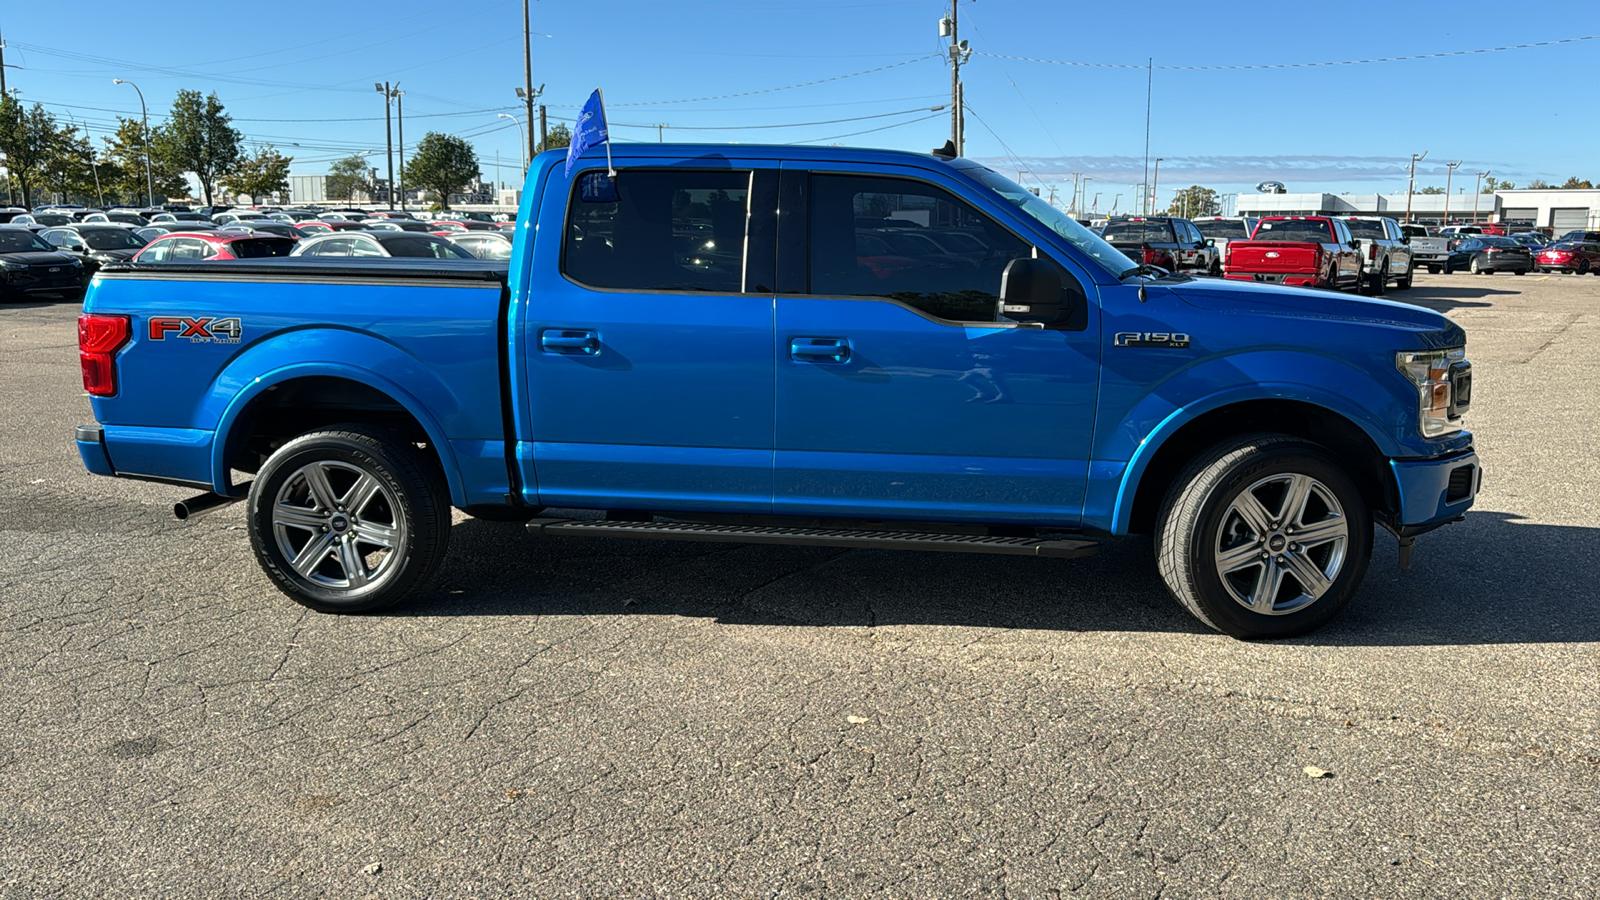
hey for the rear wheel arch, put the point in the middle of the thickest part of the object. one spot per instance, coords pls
(276, 409)
(1342, 437)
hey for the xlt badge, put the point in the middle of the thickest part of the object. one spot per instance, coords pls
(1175, 339)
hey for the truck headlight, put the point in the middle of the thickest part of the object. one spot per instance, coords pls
(1444, 387)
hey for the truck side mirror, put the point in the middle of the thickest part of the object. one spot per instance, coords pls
(1355, 245)
(1030, 291)
(1211, 242)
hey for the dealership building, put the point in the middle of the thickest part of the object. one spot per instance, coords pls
(1557, 210)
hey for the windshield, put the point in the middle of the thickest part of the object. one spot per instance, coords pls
(1143, 232)
(1092, 245)
(22, 242)
(424, 245)
(257, 248)
(52, 220)
(111, 239)
(1222, 228)
(1294, 230)
(1364, 228)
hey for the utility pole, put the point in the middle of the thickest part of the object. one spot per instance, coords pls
(660, 132)
(527, 73)
(388, 133)
(1452, 170)
(544, 132)
(400, 129)
(1095, 209)
(1074, 204)
(2, 66)
(1412, 182)
(1083, 193)
(959, 53)
(1154, 181)
(1476, 193)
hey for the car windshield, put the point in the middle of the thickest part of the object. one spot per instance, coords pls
(258, 248)
(423, 245)
(1293, 230)
(18, 241)
(1365, 228)
(111, 239)
(1223, 228)
(1144, 232)
(1500, 242)
(52, 219)
(1092, 245)
(1563, 245)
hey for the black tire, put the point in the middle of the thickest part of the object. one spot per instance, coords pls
(1216, 267)
(1379, 282)
(1404, 283)
(1520, 272)
(1583, 267)
(1198, 516)
(392, 529)
(1434, 270)
(1477, 269)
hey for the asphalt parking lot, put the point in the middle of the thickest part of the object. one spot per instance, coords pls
(614, 719)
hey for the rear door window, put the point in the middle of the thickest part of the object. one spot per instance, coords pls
(658, 231)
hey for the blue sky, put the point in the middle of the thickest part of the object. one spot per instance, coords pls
(300, 76)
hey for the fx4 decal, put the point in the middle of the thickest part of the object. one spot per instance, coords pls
(1175, 339)
(204, 330)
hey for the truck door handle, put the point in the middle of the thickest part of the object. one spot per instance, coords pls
(579, 343)
(819, 349)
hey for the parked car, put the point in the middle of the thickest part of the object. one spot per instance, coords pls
(1177, 238)
(96, 245)
(1488, 254)
(1428, 248)
(1533, 240)
(293, 216)
(1588, 237)
(1219, 230)
(324, 226)
(447, 227)
(266, 226)
(379, 245)
(151, 232)
(389, 214)
(30, 266)
(41, 221)
(1580, 257)
(483, 244)
(199, 246)
(183, 219)
(239, 216)
(116, 217)
(1385, 252)
(397, 224)
(1261, 435)
(1308, 251)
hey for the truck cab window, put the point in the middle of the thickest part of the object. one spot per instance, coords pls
(658, 231)
(907, 241)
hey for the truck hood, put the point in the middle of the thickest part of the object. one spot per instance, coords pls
(1248, 298)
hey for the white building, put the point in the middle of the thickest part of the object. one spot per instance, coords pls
(1560, 211)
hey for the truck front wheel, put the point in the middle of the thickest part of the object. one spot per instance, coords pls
(1264, 536)
(349, 519)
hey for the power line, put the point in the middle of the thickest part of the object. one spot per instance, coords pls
(1306, 65)
(871, 130)
(787, 87)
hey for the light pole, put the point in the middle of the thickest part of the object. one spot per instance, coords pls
(144, 115)
(521, 139)
(528, 95)
(389, 94)
(1476, 193)
(93, 166)
(1452, 171)
(1084, 192)
(400, 130)
(1154, 181)
(1095, 209)
(1412, 182)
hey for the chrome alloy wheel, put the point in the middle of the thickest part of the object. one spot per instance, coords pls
(338, 526)
(1282, 544)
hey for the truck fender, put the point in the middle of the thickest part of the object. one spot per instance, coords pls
(1357, 399)
(391, 371)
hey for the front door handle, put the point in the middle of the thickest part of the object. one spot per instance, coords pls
(819, 349)
(561, 340)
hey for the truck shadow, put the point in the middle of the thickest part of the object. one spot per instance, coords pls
(1493, 579)
(1444, 299)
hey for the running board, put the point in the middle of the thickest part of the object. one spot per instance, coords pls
(818, 537)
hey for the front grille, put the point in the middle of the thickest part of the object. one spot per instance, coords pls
(1460, 486)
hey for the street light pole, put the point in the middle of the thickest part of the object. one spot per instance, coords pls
(400, 131)
(144, 115)
(1083, 192)
(1476, 193)
(1452, 171)
(527, 76)
(1154, 181)
(388, 132)
(521, 139)
(1411, 183)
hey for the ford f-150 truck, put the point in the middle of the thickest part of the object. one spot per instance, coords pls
(1430, 250)
(700, 349)
(1385, 252)
(1305, 251)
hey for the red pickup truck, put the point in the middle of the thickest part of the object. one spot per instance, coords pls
(1305, 251)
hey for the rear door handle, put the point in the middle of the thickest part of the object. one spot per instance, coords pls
(578, 343)
(819, 349)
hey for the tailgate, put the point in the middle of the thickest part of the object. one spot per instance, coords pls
(1273, 256)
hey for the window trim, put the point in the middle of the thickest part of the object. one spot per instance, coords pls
(796, 189)
(749, 212)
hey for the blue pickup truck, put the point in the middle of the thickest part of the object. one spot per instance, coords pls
(837, 347)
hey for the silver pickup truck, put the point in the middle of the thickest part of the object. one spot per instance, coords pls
(1428, 250)
(1385, 252)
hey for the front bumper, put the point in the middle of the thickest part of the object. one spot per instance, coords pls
(1435, 491)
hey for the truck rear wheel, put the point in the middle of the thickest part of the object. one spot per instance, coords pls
(1404, 282)
(1264, 536)
(349, 519)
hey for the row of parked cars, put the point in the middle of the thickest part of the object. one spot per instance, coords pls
(1361, 253)
(56, 251)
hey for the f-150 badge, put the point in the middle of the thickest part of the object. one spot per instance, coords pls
(204, 330)
(1175, 339)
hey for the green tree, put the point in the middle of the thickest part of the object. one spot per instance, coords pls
(1573, 184)
(28, 138)
(1492, 184)
(266, 172)
(1195, 201)
(199, 138)
(1538, 184)
(1431, 190)
(125, 150)
(346, 177)
(442, 164)
(559, 136)
(68, 171)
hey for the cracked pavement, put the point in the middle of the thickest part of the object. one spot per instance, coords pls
(580, 717)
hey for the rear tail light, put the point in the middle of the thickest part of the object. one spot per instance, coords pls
(1372, 251)
(99, 339)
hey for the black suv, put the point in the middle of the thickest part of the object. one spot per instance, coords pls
(1177, 238)
(29, 266)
